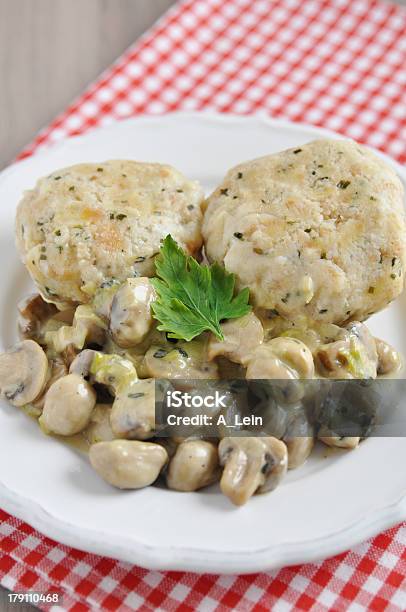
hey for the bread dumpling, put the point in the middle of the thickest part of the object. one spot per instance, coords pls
(315, 232)
(90, 224)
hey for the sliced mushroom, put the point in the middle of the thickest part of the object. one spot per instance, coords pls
(82, 363)
(241, 337)
(99, 428)
(33, 312)
(298, 437)
(57, 369)
(23, 373)
(68, 406)
(299, 450)
(133, 412)
(128, 464)
(389, 360)
(185, 360)
(251, 465)
(130, 315)
(340, 442)
(281, 358)
(87, 327)
(103, 298)
(194, 466)
(353, 355)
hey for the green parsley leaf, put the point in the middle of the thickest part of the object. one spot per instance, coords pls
(193, 298)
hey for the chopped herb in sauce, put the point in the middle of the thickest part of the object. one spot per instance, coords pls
(111, 215)
(100, 169)
(179, 190)
(239, 175)
(120, 217)
(393, 261)
(296, 151)
(182, 352)
(393, 276)
(160, 353)
(57, 232)
(343, 184)
(286, 298)
(135, 395)
(190, 207)
(72, 188)
(323, 255)
(57, 178)
(323, 310)
(308, 230)
(371, 290)
(239, 235)
(224, 192)
(140, 259)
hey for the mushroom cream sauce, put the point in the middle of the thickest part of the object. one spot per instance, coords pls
(317, 235)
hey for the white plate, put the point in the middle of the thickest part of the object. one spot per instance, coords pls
(321, 509)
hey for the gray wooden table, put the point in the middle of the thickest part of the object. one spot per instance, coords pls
(49, 51)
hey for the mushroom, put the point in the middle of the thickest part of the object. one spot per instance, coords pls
(251, 465)
(57, 369)
(352, 355)
(133, 412)
(284, 360)
(345, 413)
(33, 312)
(68, 406)
(23, 373)
(87, 326)
(103, 298)
(99, 428)
(241, 338)
(194, 466)
(185, 360)
(281, 358)
(340, 441)
(128, 464)
(389, 360)
(298, 437)
(130, 315)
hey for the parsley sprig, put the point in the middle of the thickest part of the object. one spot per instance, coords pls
(193, 298)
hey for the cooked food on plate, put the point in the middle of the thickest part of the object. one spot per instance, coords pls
(83, 225)
(316, 232)
(144, 288)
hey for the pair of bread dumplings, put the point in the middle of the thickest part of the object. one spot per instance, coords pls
(315, 232)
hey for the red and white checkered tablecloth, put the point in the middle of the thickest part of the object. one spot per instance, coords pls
(340, 64)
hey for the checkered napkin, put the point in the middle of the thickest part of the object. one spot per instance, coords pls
(340, 64)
